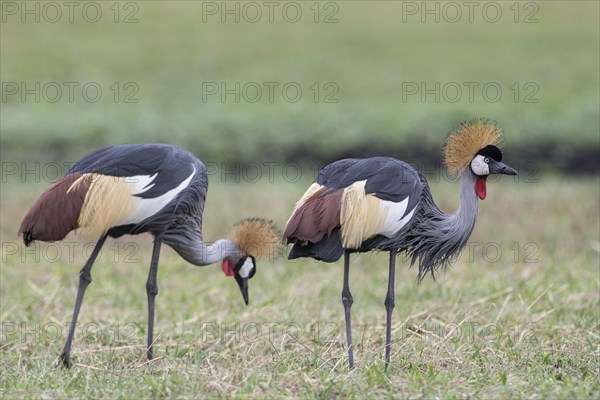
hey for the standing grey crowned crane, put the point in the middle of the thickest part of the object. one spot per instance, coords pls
(137, 188)
(360, 205)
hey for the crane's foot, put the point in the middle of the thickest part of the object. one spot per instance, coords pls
(65, 360)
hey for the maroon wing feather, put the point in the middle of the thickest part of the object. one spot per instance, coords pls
(317, 217)
(56, 212)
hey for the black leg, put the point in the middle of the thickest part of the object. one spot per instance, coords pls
(347, 300)
(389, 307)
(85, 278)
(152, 291)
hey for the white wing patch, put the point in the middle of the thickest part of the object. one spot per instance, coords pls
(140, 183)
(144, 208)
(393, 212)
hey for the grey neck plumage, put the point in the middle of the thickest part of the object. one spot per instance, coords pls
(436, 238)
(201, 254)
(462, 221)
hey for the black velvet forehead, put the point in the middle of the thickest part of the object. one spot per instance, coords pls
(491, 151)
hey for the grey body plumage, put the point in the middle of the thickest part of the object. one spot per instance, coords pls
(431, 236)
(384, 204)
(132, 189)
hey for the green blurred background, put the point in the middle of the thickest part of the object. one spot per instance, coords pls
(364, 69)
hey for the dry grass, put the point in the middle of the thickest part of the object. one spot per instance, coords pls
(520, 324)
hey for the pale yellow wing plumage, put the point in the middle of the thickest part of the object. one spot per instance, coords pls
(361, 215)
(107, 202)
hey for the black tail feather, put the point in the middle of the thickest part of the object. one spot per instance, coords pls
(329, 249)
(27, 238)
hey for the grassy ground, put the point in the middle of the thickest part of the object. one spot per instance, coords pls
(516, 317)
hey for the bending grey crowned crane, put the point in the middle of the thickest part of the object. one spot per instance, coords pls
(133, 189)
(383, 204)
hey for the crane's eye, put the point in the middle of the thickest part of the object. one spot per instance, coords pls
(486, 160)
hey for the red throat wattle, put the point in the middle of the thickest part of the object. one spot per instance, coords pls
(227, 266)
(480, 188)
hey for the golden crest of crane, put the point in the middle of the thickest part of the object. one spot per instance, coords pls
(466, 140)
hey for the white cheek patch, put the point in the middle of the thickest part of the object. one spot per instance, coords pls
(246, 268)
(479, 167)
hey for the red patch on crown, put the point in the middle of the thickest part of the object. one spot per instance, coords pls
(480, 188)
(227, 266)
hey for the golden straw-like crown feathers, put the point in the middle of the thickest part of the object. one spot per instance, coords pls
(257, 237)
(466, 140)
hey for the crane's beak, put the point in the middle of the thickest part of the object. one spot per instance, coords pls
(496, 167)
(243, 284)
